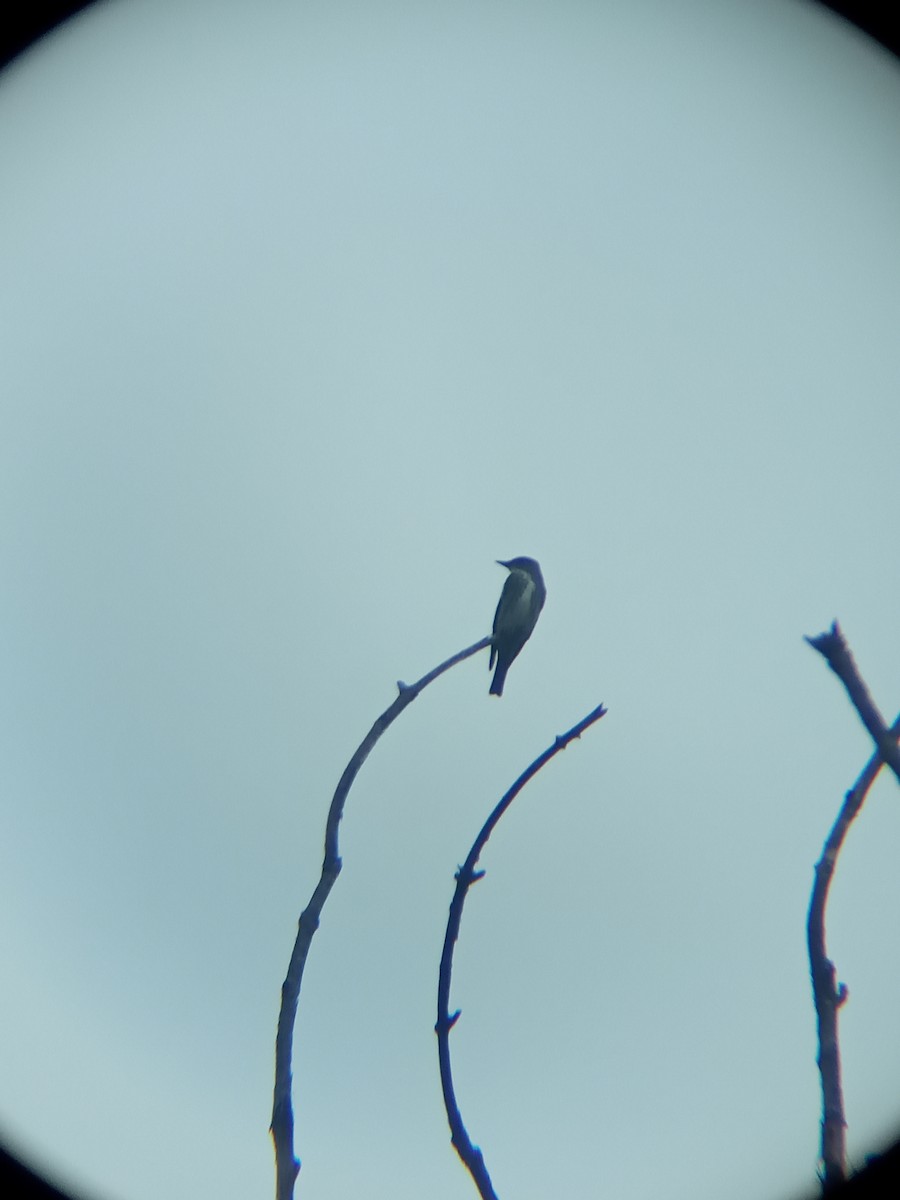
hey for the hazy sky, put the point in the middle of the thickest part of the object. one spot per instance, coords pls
(310, 312)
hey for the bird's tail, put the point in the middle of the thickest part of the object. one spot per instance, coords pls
(499, 679)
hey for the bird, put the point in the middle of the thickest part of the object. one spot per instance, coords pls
(520, 605)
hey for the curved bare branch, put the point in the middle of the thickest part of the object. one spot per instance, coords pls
(287, 1165)
(467, 875)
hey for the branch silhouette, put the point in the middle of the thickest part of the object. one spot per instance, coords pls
(833, 647)
(470, 1154)
(829, 995)
(287, 1165)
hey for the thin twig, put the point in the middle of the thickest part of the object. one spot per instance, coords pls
(287, 1165)
(833, 646)
(467, 875)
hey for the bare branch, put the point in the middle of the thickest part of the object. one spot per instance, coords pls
(287, 1165)
(833, 647)
(828, 995)
(467, 875)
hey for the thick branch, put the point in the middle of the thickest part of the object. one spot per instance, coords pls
(287, 1165)
(467, 875)
(835, 650)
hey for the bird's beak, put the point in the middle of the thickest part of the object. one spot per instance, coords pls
(501, 563)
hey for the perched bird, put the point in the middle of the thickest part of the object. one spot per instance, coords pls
(520, 605)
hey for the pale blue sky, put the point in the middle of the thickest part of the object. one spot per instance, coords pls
(310, 312)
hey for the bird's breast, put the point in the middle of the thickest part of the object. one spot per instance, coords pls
(520, 609)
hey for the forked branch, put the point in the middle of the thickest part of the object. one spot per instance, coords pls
(829, 995)
(833, 647)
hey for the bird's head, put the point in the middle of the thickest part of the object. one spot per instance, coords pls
(528, 565)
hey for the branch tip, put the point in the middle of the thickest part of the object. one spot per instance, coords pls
(834, 649)
(828, 641)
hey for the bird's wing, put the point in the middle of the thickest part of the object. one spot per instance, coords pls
(507, 615)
